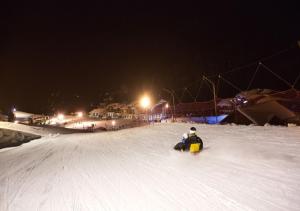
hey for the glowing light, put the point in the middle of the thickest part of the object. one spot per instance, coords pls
(79, 114)
(113, 123)
(60, 117)
(167, 105)
(16, 122)
(145, 102)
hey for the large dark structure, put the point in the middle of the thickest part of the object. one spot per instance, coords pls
(261, 106)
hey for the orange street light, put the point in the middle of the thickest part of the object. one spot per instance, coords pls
(145, 102)
(79, 114)
(60, 117)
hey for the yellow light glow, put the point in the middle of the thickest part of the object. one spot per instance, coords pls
(167, 105)
(113, 123)
(145, 102)
(79, 114)
(60, 117)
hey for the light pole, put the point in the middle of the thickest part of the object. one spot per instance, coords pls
(214, 92)
(166, 110)
(172, 93)
(145, 104)
(79, 114)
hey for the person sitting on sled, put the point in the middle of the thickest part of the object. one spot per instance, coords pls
(189, 139)
(193, 139)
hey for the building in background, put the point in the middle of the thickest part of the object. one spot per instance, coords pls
(116, 111)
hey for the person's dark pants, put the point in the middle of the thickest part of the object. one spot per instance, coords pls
(179, 146)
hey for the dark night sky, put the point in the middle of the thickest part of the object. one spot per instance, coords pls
(79, 50)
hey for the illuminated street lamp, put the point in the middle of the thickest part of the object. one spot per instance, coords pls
(145, 104)
(79, 114)
(171, 92)
(166, 110)
(113, 123)
(60, 117)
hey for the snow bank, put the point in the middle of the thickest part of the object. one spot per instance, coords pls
(43, 130)
(24, 128)
(10, 138)
(240, 168)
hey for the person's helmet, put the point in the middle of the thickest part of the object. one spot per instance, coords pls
(185, 136)
(192, 130)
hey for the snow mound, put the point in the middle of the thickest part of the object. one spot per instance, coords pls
(9, 138)
(23, 128)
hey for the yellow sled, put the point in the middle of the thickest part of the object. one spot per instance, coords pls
(194, 148)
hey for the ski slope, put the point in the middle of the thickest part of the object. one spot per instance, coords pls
(240, 168)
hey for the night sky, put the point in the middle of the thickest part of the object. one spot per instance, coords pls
(73, 53)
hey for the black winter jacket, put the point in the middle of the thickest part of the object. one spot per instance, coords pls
(193, 139)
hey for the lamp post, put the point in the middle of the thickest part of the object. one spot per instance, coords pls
(79, 114)
(166, 110)
(113, 123)
(145, 104)
(173, 98)
(60, 117)
(214, 92)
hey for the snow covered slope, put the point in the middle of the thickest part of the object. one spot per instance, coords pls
(240, 168)
(23, 128)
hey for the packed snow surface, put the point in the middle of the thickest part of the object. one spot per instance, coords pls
(240, 168)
